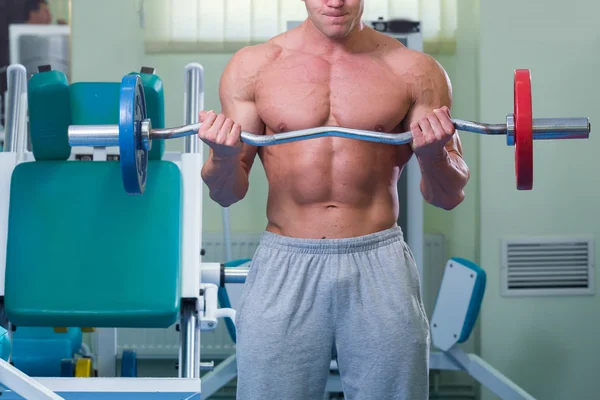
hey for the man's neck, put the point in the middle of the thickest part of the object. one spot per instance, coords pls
(319, 43)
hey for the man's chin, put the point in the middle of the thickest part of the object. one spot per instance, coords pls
(336, 32)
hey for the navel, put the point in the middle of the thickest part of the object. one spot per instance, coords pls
(379, 128)
(281, 127)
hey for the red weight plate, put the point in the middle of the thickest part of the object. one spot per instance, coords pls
(523, 130)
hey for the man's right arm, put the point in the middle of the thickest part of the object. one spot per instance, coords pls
(228, 166)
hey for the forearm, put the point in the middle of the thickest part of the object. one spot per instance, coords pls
(226, 179)
(443, 179)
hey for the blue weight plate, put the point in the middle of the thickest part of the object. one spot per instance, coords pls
(132, 111)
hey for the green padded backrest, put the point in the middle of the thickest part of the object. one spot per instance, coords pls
(83, 253)
(95, 103)
(54, 105)
(49, 115)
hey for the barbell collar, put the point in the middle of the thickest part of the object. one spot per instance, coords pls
(510, 129)
(146, 128)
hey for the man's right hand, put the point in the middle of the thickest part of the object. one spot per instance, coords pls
(221, 134)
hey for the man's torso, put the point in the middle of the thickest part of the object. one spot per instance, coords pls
(333, 187)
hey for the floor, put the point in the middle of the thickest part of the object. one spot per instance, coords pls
(440, 388)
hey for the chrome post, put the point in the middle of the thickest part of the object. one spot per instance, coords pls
(15, 132)
(189, 358)
(193, 103)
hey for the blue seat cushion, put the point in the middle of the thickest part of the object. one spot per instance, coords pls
(83, 253)
(40, 351)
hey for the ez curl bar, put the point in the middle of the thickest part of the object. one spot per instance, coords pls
(134, 134)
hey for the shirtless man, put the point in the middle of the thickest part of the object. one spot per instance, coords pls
(332, 271)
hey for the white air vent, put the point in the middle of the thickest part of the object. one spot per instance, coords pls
(547, 266)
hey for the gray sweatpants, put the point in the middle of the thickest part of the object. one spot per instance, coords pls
(306, 299)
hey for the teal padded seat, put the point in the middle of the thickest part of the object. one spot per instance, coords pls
(80, 251)
(83, 253)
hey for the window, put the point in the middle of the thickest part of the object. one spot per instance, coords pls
(227, 25)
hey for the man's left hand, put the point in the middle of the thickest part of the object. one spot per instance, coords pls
(431, 133)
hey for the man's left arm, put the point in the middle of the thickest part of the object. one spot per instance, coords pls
(436, 143)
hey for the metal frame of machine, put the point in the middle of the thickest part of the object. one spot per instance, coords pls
(194, 300)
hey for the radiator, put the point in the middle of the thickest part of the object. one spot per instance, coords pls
(164, 343)
(434, 259)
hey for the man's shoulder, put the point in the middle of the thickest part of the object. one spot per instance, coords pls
(419, 70)
(254, 57)
(243, 69)
(406, 60)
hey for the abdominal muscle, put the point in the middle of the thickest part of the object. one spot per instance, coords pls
(332, 187)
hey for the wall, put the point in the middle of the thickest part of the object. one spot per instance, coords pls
(460, 225)
(547, 345)
(59, 10)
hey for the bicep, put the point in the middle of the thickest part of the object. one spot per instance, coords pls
(244, 113)
(237, 103)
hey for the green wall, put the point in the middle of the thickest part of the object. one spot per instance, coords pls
(547, 344)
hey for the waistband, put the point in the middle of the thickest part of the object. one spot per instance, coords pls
(332, 246)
